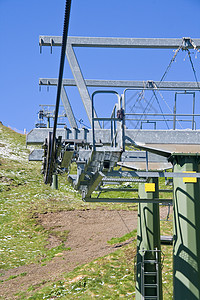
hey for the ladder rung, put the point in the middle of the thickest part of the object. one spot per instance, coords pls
(150, 297)
(150, 273)
(151, 285)
(150, 261)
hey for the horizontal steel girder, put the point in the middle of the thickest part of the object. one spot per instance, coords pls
(127, 156)
(112, 42)
(182, 137)
(107, 189)
(167, 85)
(131, 174)
(131, 200)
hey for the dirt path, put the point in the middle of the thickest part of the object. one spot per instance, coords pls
(89, 232)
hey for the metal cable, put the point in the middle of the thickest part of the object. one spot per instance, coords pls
(133, 96)
(194, 46)
(129, 230)
(160, 108)
(169, 66)
(157, 87)
(162, 97)
(81, 122)
(194, 71)
(62, 60)
(148, 106)
(165, 73)
(140, 96)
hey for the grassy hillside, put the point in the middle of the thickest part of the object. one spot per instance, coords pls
(24, 241)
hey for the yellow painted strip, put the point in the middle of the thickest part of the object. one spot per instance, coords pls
(149, 187)
(189, 179)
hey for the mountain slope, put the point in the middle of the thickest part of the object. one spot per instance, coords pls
(45, 233)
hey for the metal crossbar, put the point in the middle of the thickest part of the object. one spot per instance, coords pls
(128, 200)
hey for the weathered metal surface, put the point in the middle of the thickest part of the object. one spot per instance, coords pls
(80, 83)
(131, 174)
(148, 242)
(174, 148)
(136, 160)
(89, 171)
(68, 108)
(176, 137)
(92, 184)
(128, 189)
(131, 200)
(110, 42)
(166, 240)
(54, 184)
(163, 136)
(66, 160)
(36, 155)
(186, 246)
(159, 166)
(140, 156)
(147, 85)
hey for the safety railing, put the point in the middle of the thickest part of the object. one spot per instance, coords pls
(171, 119)
(113, 119)
(141, 120)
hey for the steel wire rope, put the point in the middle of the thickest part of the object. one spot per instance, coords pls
(170, 64)
(133, 96)
(162, 97)
(81, 122)
(61, 69)
(129, 230)
(194, 71)
(192, 65)
(147, 109)
(160, 108)
(140, 96)
(162, 78)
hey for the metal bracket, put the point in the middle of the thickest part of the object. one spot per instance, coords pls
(186, 43)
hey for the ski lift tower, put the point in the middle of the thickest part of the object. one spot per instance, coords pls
(98, 150)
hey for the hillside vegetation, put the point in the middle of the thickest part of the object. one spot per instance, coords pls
(25, 241)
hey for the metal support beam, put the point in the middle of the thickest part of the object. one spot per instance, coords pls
(54, 184)
(68, 108)
(131, 200)
(110, 42)
(149, 276)
(186, 247)
(148, 85)
(172, 140)
(153, 174)
(80, 83)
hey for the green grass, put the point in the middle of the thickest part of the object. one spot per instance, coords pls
(23, 240)
(23, 196)
(124, 238)
(109, 277)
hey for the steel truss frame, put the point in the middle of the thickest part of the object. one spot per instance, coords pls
(128, 135)
(101, 42)
(95, 165)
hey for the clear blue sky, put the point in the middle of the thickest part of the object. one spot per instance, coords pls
(21, 65)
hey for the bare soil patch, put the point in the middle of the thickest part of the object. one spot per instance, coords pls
(89, 231)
